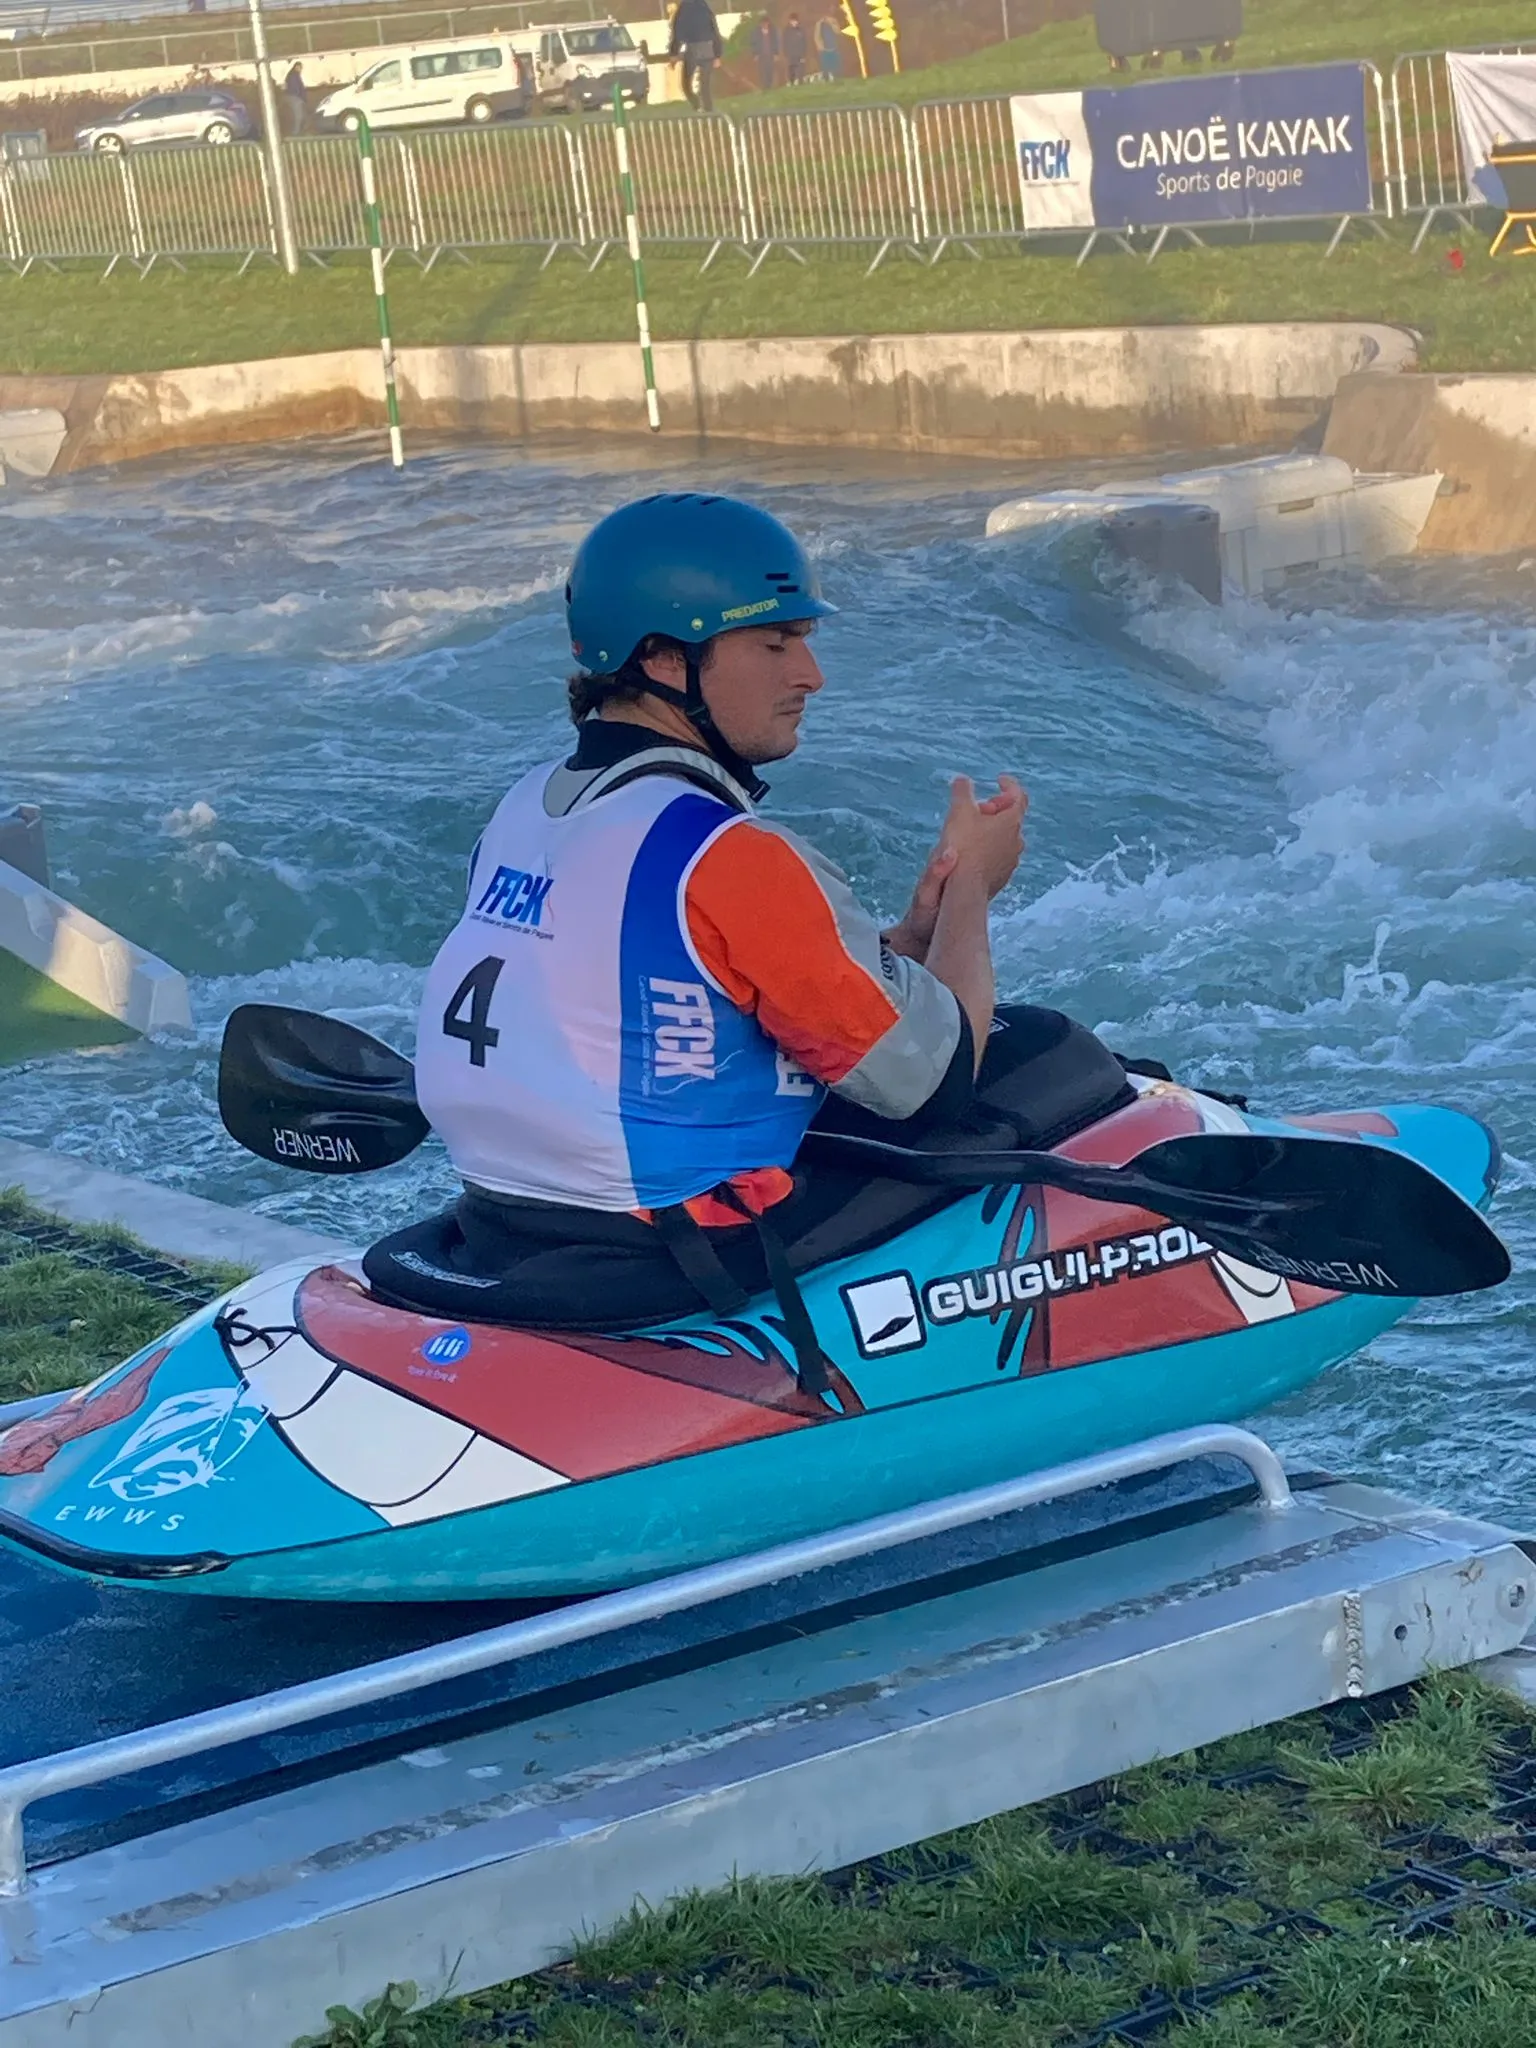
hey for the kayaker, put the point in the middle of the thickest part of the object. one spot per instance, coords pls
(652, 989)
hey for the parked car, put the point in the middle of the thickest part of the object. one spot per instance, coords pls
(474, 80)
(578, 64)
(167, 117)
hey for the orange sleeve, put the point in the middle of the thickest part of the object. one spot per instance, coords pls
(763, 927)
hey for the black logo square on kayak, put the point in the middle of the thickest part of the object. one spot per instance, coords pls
(884, 1314)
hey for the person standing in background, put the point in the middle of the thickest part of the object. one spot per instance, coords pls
(796, 47)
(298, 105)
(765, 50)
(829, 49)
(696, 39)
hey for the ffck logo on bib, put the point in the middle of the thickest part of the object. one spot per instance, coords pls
(682, 1031)
(515, 900)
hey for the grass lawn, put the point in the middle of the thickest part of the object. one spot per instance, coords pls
(1066, 54)
(75, 1300)
(1483, 317)
(37, 1016)
(1359, 1878)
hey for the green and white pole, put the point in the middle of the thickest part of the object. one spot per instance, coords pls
(632, 233)
(376, 258)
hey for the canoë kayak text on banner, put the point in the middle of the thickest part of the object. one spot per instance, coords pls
(1252, 146)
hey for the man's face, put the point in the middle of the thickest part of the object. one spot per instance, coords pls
(756, 687)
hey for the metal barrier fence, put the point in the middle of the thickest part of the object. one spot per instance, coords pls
(837, 177)
(480, 188)
(691, 184)
(970, 173)
(56, 208)
(323, 188)
(1430, 174)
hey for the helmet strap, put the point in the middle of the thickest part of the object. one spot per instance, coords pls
(691, 703)
(700, 718)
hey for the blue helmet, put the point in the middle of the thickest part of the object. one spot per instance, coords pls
(687, 564)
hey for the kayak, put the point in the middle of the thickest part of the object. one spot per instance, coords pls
(303, 1439)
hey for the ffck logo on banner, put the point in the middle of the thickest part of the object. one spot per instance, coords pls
(1249, 146)
(1050, 136)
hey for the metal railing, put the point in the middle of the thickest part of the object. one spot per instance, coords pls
(323, 187)
(970, 170)
(480, 188)
(1429, 171)
(55, 57)
(691, 184)
(22, 1785)
(58, 208)
(209, 202)
(942, 173)
(838, 175)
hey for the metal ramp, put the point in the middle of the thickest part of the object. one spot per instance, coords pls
(827, 1702)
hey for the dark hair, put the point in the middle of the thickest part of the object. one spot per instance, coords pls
(627, 683)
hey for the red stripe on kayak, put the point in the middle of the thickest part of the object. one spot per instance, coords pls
(567, 1408)
(1180, 1304)
(32, 1445)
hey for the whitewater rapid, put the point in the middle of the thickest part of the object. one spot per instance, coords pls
(267, 700)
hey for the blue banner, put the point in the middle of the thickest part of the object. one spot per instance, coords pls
(1255, 145)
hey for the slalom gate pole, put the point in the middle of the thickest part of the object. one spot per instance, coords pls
(632, 233)
(376, 259)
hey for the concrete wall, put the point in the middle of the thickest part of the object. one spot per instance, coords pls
(1479, 430)
(1072, 392)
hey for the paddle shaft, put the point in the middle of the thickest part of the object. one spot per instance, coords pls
(306, 1090)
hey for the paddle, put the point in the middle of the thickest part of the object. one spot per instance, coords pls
(1340, 1214)
(312, 1092)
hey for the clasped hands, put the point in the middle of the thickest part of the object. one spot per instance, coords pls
(986, 835)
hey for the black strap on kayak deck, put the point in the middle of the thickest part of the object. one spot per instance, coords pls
(688, 1242)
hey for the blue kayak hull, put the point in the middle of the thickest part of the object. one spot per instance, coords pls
(300, 1440)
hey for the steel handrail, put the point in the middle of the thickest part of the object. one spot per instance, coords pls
(1406, 59)
(92, 1763)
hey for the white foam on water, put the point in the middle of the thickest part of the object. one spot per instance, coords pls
(324, 626)
(1380, 949)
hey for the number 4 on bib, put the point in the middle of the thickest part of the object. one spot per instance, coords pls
(476, 989)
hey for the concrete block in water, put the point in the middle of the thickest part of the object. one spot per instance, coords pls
(1264, 518)
(86, 957)
(30, 440)
(1171, 540)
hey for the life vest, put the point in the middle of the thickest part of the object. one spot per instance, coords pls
(572, 1046)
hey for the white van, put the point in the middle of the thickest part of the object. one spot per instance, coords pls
(470, 79)
(577, 64)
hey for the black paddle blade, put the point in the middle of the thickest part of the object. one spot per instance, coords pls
(314, 1093)
(1333, 1212)
(1339, 1213)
